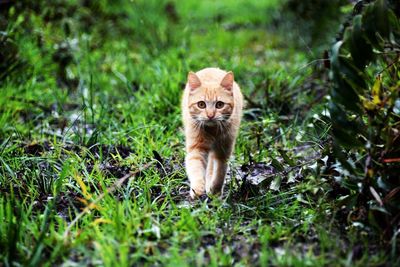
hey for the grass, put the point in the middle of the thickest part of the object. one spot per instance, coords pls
(98, 97)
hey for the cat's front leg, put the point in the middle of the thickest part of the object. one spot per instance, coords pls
(215, 182)
(210, 171)
(219, 156)
(196, 162)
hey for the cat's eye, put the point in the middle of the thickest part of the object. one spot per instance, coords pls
(201, 104)
(219, 104)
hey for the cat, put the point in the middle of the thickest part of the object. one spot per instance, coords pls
(211, 111)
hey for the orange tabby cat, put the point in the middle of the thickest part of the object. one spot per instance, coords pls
(211, 109)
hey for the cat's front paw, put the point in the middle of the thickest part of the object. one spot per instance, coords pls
(214, 191)
(196, 192)
(214, 188)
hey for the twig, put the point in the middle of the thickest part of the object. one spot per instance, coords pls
(109, 190)
(390, 65)
(288, 170)
(252, 103)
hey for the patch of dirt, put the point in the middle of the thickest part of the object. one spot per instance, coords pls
(250, 179)
(108, 150)
(36, 149)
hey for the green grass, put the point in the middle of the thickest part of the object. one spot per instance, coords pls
(101, 98)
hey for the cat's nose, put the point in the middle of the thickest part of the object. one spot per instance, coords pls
(210, 116)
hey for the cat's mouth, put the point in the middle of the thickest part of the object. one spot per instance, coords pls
(211, 122)
(217, 121)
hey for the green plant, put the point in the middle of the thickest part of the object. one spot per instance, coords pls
(315, 20)
(365, 114)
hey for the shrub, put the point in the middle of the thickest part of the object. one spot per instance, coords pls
(315, 20)
(365, 114)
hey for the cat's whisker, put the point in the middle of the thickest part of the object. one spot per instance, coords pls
(220, 127)
(200, 125)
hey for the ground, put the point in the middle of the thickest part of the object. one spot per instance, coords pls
(95, 96)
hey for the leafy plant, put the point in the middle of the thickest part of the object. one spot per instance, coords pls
(365, 114)
(10, 60)
(315, 20)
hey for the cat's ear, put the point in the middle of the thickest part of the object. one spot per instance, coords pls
(193, 80)
(227, 81)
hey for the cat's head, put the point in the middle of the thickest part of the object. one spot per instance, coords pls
(210, 102)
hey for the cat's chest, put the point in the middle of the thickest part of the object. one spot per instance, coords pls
(217, 135)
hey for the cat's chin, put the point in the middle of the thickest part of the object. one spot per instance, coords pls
(210, 123)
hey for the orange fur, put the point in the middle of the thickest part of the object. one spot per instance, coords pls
(210, 127)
